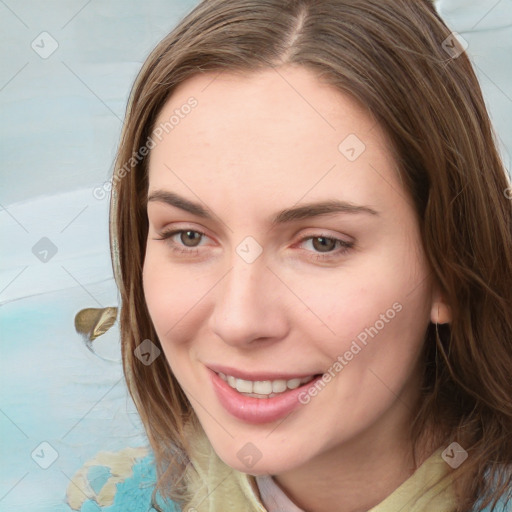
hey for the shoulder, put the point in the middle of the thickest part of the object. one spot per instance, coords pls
(121, 481)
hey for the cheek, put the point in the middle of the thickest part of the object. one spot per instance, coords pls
(178, 298)
(168, 292)
(380, 307)
(375, 300)
(169, 297)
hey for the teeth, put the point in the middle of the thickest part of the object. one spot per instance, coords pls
(278, 386)
(244, 386)
(263, 388)
(293, 383)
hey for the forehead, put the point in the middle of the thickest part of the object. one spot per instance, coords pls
(276, 96)
(277, 132)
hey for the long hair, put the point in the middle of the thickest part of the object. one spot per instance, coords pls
(399, 59)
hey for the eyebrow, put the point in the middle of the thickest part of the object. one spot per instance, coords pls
(287, 215)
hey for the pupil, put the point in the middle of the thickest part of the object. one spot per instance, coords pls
(191, 235)
(327, 243)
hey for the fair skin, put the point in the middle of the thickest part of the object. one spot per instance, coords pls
(252, 147)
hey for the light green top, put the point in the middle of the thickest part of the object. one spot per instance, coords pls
(122, 481)
(222, 489)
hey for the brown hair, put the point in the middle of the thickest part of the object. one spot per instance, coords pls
(392, 56)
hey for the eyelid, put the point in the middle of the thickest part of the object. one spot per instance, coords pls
(344, 247)
(319, 232)
(182, 226)
(168, 234)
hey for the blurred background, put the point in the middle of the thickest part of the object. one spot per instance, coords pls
(67, 69)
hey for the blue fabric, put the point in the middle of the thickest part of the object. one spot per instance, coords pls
(502, 506)
(98, 476)
(133, 494)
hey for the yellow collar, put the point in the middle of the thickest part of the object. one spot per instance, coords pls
(215, 487)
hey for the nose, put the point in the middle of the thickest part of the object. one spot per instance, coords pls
(250, 305)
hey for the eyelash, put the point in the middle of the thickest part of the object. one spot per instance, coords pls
(345, 246)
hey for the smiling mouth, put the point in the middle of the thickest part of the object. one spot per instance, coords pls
(264, 388)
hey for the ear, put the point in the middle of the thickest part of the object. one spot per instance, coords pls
(440, 312)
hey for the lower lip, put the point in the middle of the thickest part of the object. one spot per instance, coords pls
(257, 410)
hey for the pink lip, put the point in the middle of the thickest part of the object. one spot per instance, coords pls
(256, 375)
(257, 410)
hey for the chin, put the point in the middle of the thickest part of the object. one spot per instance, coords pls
(264, 466)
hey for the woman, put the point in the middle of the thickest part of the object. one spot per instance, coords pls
(312, 240)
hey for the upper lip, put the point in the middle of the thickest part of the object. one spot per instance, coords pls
(257, 376)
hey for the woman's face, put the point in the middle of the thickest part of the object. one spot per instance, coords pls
(297, 254)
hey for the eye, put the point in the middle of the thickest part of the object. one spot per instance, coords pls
(325, 246)
(188, 240)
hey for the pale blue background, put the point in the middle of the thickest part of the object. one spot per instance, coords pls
(60, 123)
